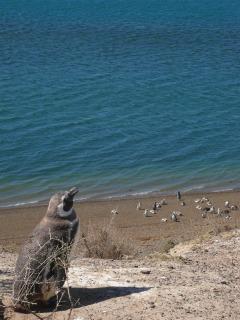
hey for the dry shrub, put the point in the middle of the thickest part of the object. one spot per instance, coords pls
(106, 242)
(52, 256)
(223, 228)
(1, 310)
(167, 245)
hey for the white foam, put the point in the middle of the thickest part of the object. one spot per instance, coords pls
(19, 204)
(125, 195)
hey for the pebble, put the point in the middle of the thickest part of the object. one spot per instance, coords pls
(152, 304)
(145, 271)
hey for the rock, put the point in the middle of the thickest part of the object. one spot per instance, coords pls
(145, 271)
(152, 304)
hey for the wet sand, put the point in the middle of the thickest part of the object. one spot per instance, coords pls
(148, 235)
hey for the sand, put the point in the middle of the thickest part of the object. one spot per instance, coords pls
(147, 234)
(197, 279)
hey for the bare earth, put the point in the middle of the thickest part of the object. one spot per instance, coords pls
(197, 279)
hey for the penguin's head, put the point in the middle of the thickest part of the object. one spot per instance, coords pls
(61, 204)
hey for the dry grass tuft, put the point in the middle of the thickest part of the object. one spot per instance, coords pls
(224, 228)
(28, 280)
(106, 242)
(1, 310)
(167, 245)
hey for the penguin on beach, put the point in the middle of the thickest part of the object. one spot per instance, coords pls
(179, 196)
(43, 261)
(174, 217)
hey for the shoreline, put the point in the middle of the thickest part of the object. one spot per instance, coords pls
(134, 196)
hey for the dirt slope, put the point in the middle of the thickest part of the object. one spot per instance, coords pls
(195, 281)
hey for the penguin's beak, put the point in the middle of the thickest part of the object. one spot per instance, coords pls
(72, 192)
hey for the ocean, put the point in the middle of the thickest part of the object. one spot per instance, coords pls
(119, 98)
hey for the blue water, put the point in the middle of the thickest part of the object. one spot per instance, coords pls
(118, 97)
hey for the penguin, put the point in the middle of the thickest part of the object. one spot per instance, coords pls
(174, 217)
(146, 213)
(158, 205)
(179, 195)
(114, 211)
(43, 261)
(154, 209)
(139, 206)
(212, 210)
(163, 202)
(227, 204)
(204, 214)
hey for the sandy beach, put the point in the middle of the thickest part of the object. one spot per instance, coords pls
(199, 268)
(146, 234)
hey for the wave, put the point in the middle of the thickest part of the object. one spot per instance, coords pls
(128, 195)
(20, 204)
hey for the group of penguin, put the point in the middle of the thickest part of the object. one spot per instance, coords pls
(174, 216)
(205, 206)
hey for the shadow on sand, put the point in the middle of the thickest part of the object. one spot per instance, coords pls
(80, 297)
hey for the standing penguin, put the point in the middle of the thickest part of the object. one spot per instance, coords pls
(43, 261)
(174, 217)
(179, 196)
